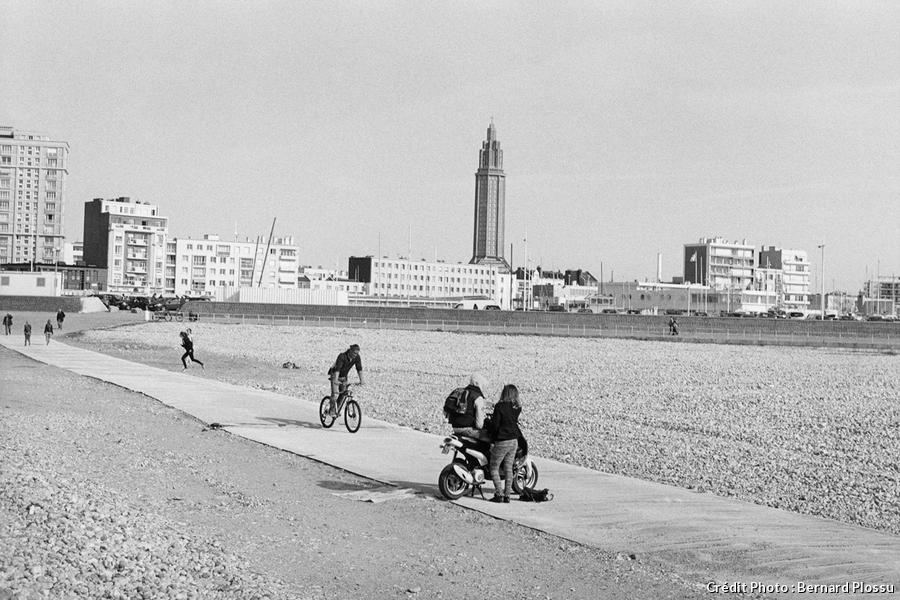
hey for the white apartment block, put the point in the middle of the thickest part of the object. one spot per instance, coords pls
(33, 171)
(73, 253)
(207, 265)
(128, 238)
(401, 278)
(719, 264)
(795, 269)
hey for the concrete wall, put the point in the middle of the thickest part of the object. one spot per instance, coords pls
(638, 324)
(69, 304)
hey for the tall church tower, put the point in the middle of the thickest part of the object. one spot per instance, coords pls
(490, 203)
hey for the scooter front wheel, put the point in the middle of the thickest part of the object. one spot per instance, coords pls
(450, 484)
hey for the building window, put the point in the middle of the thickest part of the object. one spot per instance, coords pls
(41, 282)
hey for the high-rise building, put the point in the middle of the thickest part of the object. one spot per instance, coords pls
(490, 204)
(128, 238)
(33, 171)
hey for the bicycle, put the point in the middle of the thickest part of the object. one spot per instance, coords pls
(347, 404)
(164, 315)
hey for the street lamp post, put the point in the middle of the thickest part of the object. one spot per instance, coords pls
(822, 247)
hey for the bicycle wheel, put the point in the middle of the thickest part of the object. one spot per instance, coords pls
(352, 416)
(326, 419)
(179, 317)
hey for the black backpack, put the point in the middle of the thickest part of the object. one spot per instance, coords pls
(457, 402)
(533, 495)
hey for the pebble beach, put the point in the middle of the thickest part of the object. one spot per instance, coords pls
(816, 431)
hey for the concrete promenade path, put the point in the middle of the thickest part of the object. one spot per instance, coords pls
(703, 537)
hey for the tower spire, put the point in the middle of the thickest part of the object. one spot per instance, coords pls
(490, 203)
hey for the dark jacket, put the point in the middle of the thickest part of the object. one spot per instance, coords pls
(344, 363)
(467, 419)
(505, 422)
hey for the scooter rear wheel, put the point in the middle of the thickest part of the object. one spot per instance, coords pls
(521, 480)
(450, 484)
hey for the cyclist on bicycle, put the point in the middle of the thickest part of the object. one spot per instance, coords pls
(339, 371)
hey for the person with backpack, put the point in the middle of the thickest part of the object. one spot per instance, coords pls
(504, 431)
(340, 370)
(60, 317)
(467, 417)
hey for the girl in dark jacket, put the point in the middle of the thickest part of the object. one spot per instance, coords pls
(504, 429)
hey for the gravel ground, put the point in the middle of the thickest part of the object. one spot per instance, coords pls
(105, 493)
(809, 430)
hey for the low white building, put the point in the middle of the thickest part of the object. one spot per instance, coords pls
(395, 280)
(30, 283)
(202, 266)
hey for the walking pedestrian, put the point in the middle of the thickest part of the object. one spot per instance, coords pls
(673, 326)
(7, 323)
(187, 342)
(60, 317)
(504, 429)
(27, 333)
(48, 330)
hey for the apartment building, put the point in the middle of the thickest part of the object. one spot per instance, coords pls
(795, 269)
(719, 264)
(423, 280)
(206, 265)
(128, 238)
(33, 169)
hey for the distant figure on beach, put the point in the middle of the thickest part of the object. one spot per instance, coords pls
(187, 342)
(7, 323)
(27, 333)
(60, 317)
(673, 326)
(48, 330)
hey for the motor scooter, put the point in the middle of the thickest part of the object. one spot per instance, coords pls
(469, 468)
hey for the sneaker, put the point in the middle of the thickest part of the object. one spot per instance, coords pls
(497, 499)
(505, 499)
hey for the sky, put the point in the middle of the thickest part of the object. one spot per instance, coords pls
(628, 128)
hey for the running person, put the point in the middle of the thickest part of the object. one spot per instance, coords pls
(187, 342)
(339, 371)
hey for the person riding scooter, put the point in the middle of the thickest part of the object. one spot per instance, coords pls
(471, 423)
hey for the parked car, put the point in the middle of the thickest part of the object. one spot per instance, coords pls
(113, 301)
(137, 302)
(585, 311)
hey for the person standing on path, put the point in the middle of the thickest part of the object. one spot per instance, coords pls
(7, 323)
(187, 342)
(60, 317)
(48, 330)
(504, 430)
(27, 333)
